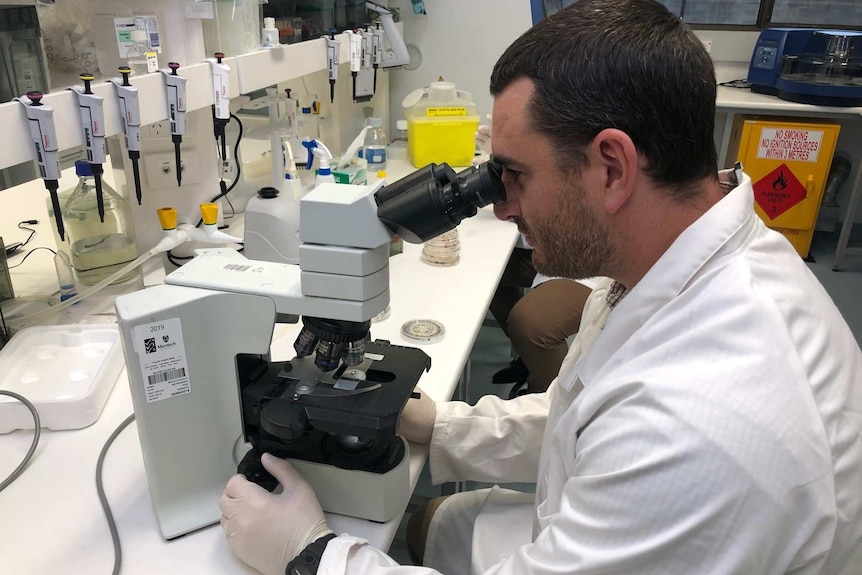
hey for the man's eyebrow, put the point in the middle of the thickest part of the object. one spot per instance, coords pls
(507, 162)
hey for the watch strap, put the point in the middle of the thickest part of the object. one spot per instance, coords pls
(308, 560)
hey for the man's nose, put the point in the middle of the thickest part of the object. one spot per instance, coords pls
(510, 207)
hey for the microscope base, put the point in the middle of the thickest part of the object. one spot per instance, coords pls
(363, 494)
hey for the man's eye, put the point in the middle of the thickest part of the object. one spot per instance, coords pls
(514, 174)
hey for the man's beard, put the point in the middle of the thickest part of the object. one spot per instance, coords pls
(571, 243)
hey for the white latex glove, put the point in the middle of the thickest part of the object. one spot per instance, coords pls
(483, 136)
(268, 530)
(417, 419)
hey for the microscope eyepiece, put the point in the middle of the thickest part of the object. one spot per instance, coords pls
(434, 199)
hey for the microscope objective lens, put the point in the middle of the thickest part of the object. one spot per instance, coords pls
(354, 352)
(328, 355)
(305, 343)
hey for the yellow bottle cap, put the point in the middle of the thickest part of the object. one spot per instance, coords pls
(168, 218)
(209, 213)
(381, 174)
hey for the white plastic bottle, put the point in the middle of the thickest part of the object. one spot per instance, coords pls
(137, 54)
(374, 151)
(269, 34)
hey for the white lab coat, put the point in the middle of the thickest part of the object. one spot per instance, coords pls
(718, 431)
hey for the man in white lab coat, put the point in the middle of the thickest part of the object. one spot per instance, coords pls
(708, 417)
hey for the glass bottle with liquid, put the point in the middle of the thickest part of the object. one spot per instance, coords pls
(98, 248)
(374, 151)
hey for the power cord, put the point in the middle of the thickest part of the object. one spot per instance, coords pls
(173, 258)
(37, 432)
(4, 329)
(100, 489)
(740, 84)
(13, 248)
(27, 255)
(225, 189)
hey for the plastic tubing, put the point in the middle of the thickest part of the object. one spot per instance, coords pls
(185, 232)
(92, 289)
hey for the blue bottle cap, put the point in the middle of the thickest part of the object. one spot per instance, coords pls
(83, 168)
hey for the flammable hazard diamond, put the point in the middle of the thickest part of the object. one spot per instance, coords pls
(778, 191)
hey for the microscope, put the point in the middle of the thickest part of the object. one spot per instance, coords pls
(208, 399)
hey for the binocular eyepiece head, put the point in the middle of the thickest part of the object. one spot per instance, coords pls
(434, 199)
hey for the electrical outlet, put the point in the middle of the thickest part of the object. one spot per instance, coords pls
(228, 170)
(160, 129)
(708, 45)
(160, 169)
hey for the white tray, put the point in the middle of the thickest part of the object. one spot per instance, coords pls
(66, 371)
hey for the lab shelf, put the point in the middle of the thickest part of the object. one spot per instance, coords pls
(248, 73)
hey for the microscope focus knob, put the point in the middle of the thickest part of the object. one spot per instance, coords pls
(252, 467)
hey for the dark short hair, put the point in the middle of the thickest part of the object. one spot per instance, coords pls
(625, 64)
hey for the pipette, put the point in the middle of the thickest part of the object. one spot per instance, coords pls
(368, 53)
(40, 118)
(221, 102)
(376, 49)
(176, 90)
(397, 55)
(332, 46)
(93, 123)
(355, 55)
(130, 114)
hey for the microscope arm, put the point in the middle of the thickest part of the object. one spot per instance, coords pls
(343, 271)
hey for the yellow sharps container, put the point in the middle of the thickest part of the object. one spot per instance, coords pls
(441, 125)
(788, 162)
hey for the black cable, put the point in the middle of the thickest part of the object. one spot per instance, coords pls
(27, 255)
(5, 334)
(100, 489)
(739, 84)
(15, 246)
(236, 154)
(173, 258)
(21, 226)
(37, 432)
(226, 189)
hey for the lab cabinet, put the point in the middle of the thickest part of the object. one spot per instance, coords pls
(788, 162)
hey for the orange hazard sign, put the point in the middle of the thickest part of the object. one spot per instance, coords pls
(789, 144)
(778, 191)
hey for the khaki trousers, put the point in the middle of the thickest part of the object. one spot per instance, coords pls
(539, 320)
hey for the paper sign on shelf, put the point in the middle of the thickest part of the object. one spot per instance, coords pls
(789, 144)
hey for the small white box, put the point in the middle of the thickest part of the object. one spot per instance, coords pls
(66, 371)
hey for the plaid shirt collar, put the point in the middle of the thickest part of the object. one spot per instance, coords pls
(616, 293)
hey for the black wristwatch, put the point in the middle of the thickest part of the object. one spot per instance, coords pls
(308, 560)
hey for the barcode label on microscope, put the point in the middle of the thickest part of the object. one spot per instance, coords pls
(162, 353)
(163, 376)
(237, 267)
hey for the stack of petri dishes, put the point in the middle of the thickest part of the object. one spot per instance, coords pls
(444, 250)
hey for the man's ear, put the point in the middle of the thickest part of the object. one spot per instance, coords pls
(615, 155)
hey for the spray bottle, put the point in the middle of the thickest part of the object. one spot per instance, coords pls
(321, 152)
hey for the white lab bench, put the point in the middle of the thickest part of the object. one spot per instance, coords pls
(733, 101)
(50, 518)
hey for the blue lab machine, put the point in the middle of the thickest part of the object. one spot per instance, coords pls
(821, 67)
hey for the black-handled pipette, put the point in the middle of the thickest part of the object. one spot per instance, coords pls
(93, 124)
(221, 102)
(40, 118)
(332, 47)
(355, 56)
(376, 49)
(176, 92)
(130, 115)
